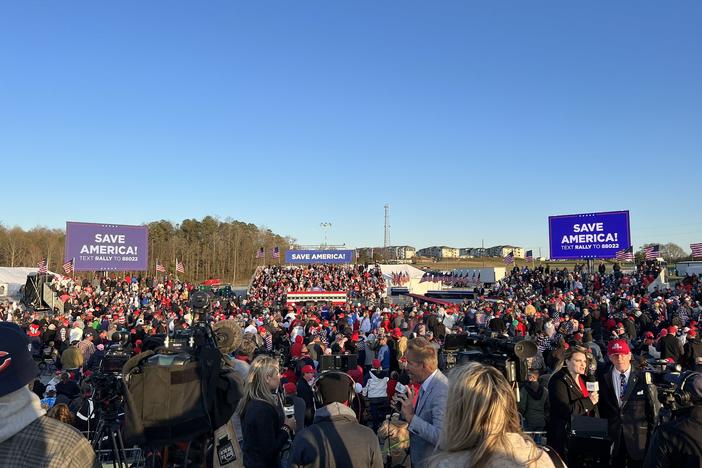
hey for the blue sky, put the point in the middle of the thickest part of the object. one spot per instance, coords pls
(473, 120)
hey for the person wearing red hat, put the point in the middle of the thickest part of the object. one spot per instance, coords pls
(304, 391)
(629, 404)
(670, 346)
(692, 352)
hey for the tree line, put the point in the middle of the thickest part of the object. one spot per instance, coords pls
(208, 248)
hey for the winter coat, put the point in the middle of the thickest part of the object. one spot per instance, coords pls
(677, 443)
(534, 406)
(336, 439)
(515, 455)
(376, 387)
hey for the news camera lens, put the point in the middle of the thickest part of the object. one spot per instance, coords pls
(199, 300)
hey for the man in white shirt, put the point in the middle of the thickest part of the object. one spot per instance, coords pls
(426, 417)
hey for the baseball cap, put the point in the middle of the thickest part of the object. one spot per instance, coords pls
(290, 388)
(308, 369)
(376, 363)
(648, 334)
(618, 347)
(17, 368)
(672, 329)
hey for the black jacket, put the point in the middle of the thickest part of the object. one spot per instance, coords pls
(678, 443)
(566, 400)
(670, 347)
(263, 435)
(636, 419)
(304, 391)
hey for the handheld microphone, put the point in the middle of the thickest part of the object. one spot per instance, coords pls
(592, 384)
(289, 407)
(401, 389)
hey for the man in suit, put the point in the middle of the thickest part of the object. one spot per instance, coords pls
(629, 404)
(425, 416)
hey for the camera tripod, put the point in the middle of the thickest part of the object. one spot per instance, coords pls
(108, 427)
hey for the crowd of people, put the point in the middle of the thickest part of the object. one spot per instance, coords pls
(604, 326)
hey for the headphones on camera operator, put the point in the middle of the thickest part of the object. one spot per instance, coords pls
(683, 396)
(333, 375)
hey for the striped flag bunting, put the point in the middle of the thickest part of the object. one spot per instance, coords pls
(160, 267)
(626, 255)
(180, 268)
(652, 252)
(509, 258)
(68, 267)
(696, 249)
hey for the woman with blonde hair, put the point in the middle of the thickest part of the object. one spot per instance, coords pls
(481, 427)
(265, 429)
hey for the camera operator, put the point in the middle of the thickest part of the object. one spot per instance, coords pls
(678, 443)
(629, 404)
(335, 438)
(568, 396)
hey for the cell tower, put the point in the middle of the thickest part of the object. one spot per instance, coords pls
(386, 239)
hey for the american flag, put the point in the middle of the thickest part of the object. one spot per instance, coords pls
(509, 258)
(276, 252)
(42, 267)
(529, 255)
(696, 249)
(160, 267)
(261, 253)
(652, 252)
(180, 268)
(626, 255)
(68, 267)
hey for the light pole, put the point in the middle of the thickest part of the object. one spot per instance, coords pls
(325, 227)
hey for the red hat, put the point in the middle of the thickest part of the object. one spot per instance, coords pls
(618, 347)
(692, 333)
(620, 325)
(376, 364)
(354, 336)
(672, 329)
(290, 388)
(397, 333)
(326, 323)
(648, 334)
(308, 369)
(262, 329)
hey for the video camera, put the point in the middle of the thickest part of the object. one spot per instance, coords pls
(666, 377)
(509, 355)
(182, 390)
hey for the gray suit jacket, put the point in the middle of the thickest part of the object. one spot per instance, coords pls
(427, 421)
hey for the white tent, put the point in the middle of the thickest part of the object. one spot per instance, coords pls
(14, 278)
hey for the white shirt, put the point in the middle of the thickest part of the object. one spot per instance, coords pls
(425, 384)
(616, 382)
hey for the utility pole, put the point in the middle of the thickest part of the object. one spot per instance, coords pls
(386, 239)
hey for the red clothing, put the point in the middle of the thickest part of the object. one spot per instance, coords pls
(583, 387)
